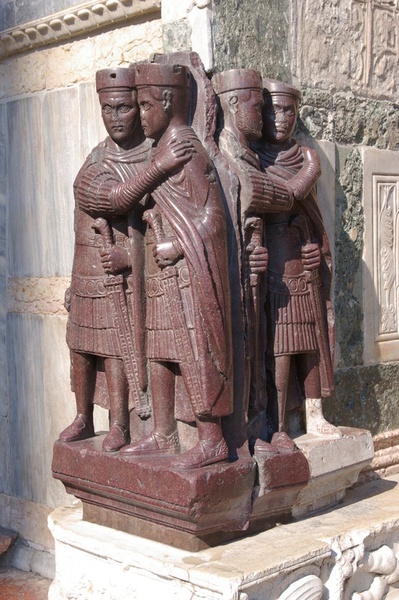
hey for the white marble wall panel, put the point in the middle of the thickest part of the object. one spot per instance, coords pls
(381, 255)
(27, 227)
(62, 160)
(92, 129)
(42, 403)
(4, 463)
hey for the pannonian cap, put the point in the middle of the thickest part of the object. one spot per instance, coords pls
(237, 79)
(160, 75)
(279, 87)
(109, 79)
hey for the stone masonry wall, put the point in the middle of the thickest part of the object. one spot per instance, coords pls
(343, 56)
(49, 121)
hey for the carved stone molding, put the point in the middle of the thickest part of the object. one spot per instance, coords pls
(82, 18)
(37, 295)
(381, 252)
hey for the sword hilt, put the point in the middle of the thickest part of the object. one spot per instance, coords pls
(154, 220)
(254, 226)
(104, 229)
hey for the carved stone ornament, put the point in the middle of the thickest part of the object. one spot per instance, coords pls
(200, 314)
(81, 18)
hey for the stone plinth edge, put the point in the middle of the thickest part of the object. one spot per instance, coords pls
(78, 20)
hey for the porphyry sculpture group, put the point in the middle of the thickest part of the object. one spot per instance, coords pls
(199, 296)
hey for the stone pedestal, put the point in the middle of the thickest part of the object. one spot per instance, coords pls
(147, 496)
(349, 552)
(198, 508)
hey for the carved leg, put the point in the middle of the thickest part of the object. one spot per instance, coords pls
(281, 378)
(118, 391)
(164, 438)
(310, 374)
(84, 379)
(315, 421)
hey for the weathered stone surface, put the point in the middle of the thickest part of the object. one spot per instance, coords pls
(349, 120)
(348, 254)
(252, 34)
(7, 539)
(177, 36)
(26, 252)
(40, 295)
(347, 45)
(365, 397)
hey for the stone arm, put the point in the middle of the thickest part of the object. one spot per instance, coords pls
(303, 181)
(267, 193)
(100, 193)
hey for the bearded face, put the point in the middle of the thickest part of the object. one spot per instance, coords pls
(248, 117)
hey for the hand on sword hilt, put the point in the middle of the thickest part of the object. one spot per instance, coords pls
(114, 259)
(257, 253)
(104, 228)
(166, 251)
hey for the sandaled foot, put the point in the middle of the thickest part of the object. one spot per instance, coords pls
(80, 429)
(204, 453)
(323, 427)
(116, 438)
(155, 443)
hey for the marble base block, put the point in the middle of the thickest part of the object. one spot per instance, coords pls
(334, 465)
(147, 496)
(349, 552)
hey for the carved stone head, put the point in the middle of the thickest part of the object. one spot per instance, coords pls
(241, 97)
(163, 96)
(118, 100)
(280, 111)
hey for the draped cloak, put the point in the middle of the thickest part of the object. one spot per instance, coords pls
(191, 203)
(285, 165)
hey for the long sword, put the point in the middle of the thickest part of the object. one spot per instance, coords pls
(174, 303)
(116, 293)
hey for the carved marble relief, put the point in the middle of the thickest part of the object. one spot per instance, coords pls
(355, 40)
(381, 255)
(386, 214)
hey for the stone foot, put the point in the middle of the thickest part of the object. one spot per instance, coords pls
(155, 443)
(204, 453)
(80, 429)
(116, 438)
(282, 442)
(315, 421)
(264, 449)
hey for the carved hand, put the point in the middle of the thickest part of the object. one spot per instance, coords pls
(115, 259)
(311, 256)
(258, 259)
(167, 253)
(175, 155)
